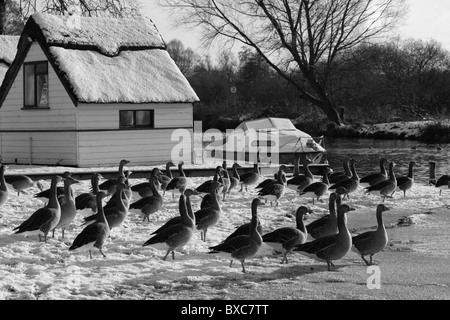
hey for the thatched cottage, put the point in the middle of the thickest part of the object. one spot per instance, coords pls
(90, 92)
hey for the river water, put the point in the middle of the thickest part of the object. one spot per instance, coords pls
(369, 151)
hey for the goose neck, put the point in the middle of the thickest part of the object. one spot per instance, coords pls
(411, 170)
(3, 186)
(53, 200)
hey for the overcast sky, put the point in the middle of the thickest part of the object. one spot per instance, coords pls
(427, 19)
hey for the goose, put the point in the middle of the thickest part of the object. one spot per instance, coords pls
(235, 179)
(274, 191)
(317, 189)
(372, 242)
(21, 182)
(242, 247)
(44, 219)
(269, 181)
(326, 225)
(374, 178)
(44, 195)
(150, 204)
(301, 181)
(284, 239)
(337, 176)
(443, 183)
(126, 194)
(205, 218)
(144, 189)
(205, 188)
(110, 185)
(178, 184)
(208, 217)
(385, 188)
(406, 182)
(225, 180)
(164, 179)
(350, 184)
(68, 207)
(206, 201)
(249, 178)
(177, 219)
(4, 192)
(114, 215)
(95, 234)
(332, 247)
(244, 229)
(177, 235)
(86, 203)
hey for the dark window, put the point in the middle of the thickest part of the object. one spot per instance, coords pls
(137, 119)
(35, 84)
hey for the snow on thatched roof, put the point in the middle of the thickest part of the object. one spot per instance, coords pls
(106, 60)
(8, 50)
(109, 35)
(136, 76)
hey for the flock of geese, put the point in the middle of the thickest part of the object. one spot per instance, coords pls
(107, 205)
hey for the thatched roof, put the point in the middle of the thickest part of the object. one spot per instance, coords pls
(107, 60)
(8, 50)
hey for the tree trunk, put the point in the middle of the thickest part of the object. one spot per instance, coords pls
(2, 16)
(330, 111)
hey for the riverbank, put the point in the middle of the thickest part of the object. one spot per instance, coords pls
(431, 131)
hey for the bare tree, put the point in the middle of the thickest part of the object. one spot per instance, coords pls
(91, 8)
(184, 58)
(294, 36)
(2, 16)
(11, 22)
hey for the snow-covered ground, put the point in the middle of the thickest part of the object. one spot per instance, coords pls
(417, 227)
(409, 130)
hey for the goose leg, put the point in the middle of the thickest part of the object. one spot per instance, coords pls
(173, 255)
(168, 251)
(231, 263)
(367, 262)
(90, 253)
(329, 265)
(371, 263)
(243, 267)
(284, 258)
(104, 255)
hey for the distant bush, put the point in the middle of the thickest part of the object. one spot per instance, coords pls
(437, 132)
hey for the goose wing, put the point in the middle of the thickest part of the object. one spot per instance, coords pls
(317, 245)
(280, 235)
(36, 220)
(231, 245)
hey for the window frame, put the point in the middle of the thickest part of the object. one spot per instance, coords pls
(135, 126)
(36, 74)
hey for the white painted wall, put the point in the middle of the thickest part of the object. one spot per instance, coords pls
(48, 147)
(141, 147)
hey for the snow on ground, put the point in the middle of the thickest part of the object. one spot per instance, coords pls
(35, 270)
(409, 130)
